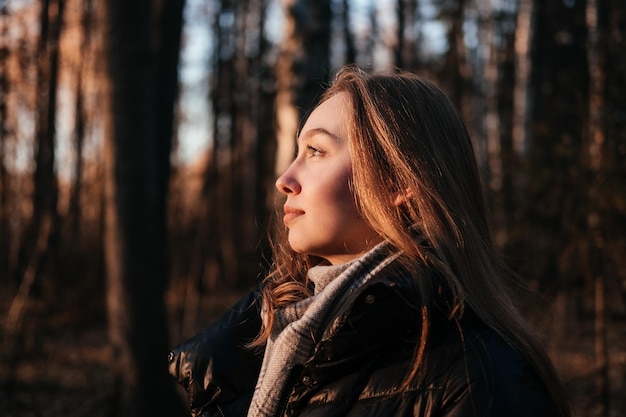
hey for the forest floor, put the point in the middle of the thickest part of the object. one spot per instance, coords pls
(62, 367)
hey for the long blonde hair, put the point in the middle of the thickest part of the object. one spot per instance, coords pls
(406, 138)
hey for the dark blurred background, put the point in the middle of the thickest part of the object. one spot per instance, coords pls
(139, 142)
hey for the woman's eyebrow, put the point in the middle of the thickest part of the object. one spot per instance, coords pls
(318, 131)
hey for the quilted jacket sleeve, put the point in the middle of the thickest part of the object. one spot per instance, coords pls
(215, 367)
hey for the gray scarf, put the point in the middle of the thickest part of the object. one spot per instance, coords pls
(299, 326)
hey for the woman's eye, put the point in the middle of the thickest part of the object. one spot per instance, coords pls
(312, 151)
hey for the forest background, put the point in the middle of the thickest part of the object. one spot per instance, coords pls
(139, 142)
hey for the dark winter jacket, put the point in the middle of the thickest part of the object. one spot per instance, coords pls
(469, 371)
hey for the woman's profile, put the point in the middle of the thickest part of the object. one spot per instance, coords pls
(386, 295)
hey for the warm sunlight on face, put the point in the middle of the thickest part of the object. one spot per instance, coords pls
(320, 211)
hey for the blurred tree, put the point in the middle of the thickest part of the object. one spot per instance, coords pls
(80, 124)
(236, 172)
(140, 39)
(595, 151)
(505, 86)
(614, 192)
(348, 36)
(540, 83)
(265, 149)
(405, 49)
(5, 233)
(457, 73)
(490, 127)
(302, 69)
(373, 38)
(45, 189)
(43, 223)
(521, 100)
(231, 96)
(554, 205)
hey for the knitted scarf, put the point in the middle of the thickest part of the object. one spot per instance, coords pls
(298, 327)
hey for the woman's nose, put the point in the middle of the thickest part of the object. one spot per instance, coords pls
(286, 184)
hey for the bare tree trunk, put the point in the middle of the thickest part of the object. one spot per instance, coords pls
(239, 150)
(373, 37)
(206, 262)
(135, 228)
(5, 183)
(492, 120)
(616, 145)
(262, 147)
(45, 191)
(167, 29)
(74, 210)
(45, 194)
(509, 160)
(459, 71)
(597, 19)
(225, 142)
(302, 69)
(600, 347)
(14, 316)
(287, 114)
(552, 199)
(245, 135)
(400, 29)
(348, 37)
(405, 52)
(521, 96)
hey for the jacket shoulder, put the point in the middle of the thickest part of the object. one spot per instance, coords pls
(491, 378)
(469, 370)
(216, 367)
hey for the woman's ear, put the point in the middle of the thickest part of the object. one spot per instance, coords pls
(401, 197)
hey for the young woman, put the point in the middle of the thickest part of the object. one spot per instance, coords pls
(387, 296)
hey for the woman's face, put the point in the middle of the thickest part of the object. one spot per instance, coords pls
(320, 212)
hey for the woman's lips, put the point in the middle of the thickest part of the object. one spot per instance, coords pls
(291, 213)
